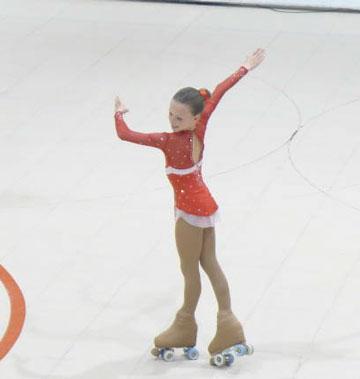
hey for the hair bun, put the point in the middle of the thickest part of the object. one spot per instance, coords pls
(204, 93)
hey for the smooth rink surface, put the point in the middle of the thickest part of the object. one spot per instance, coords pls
(86, 220)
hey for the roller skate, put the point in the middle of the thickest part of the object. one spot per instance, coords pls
(181, 334)
(229, 341)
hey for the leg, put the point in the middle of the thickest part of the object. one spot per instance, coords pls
(212, 268)
(229, 330)
(182, 332)
(189, 241)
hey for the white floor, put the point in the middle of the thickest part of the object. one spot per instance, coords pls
(100, 275)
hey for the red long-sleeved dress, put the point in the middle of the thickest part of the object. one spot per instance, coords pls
(193, 200)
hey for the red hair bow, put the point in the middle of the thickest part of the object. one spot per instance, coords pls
(204, 93)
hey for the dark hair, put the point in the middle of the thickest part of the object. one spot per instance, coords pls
(192, 97)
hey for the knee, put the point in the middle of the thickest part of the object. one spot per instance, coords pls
(208, 263)
(190, 270)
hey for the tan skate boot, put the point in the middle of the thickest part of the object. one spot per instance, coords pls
(228, 341)
(181, 333)
(229, 332)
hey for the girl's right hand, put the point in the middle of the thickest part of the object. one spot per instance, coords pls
(119, 106)
(255, 59)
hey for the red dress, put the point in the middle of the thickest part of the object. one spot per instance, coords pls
(191, 195)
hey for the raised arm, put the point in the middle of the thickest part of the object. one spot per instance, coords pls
(157, 140)
(251, 62)
(213, 101)
(222, 87)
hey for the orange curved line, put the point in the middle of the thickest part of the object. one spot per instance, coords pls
(17, 312)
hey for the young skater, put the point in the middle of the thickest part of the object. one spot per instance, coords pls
(195, 212)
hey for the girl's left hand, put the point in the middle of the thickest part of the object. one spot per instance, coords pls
(255, 59)
(119, 106)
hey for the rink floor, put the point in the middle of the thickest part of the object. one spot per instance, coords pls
(86, 220)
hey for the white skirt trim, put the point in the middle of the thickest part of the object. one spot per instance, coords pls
(199, 221)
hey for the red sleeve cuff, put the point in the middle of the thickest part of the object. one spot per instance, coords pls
(244, 69)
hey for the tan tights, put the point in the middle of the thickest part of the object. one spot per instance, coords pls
(197, 245)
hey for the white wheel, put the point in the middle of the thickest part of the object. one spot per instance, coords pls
(192, 353)
(250, 349)
(168, 355)
(241, 349)
(219, 360)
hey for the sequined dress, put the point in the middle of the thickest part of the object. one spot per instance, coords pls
(192, 198)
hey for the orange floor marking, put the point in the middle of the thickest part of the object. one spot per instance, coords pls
(17, 312)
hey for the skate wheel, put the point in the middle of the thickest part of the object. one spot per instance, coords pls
(192, 353)
(155, 351)
(168, 355)
(241, 349)
(218, 360)
(229, 359)
(250, 349)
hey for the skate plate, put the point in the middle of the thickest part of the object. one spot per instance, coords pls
(168, 353)
(227, 356)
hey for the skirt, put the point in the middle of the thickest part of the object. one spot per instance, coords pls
(199, 221)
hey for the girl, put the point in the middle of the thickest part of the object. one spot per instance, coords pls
(195, 212)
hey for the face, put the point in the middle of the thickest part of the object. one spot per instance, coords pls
(180, 117)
